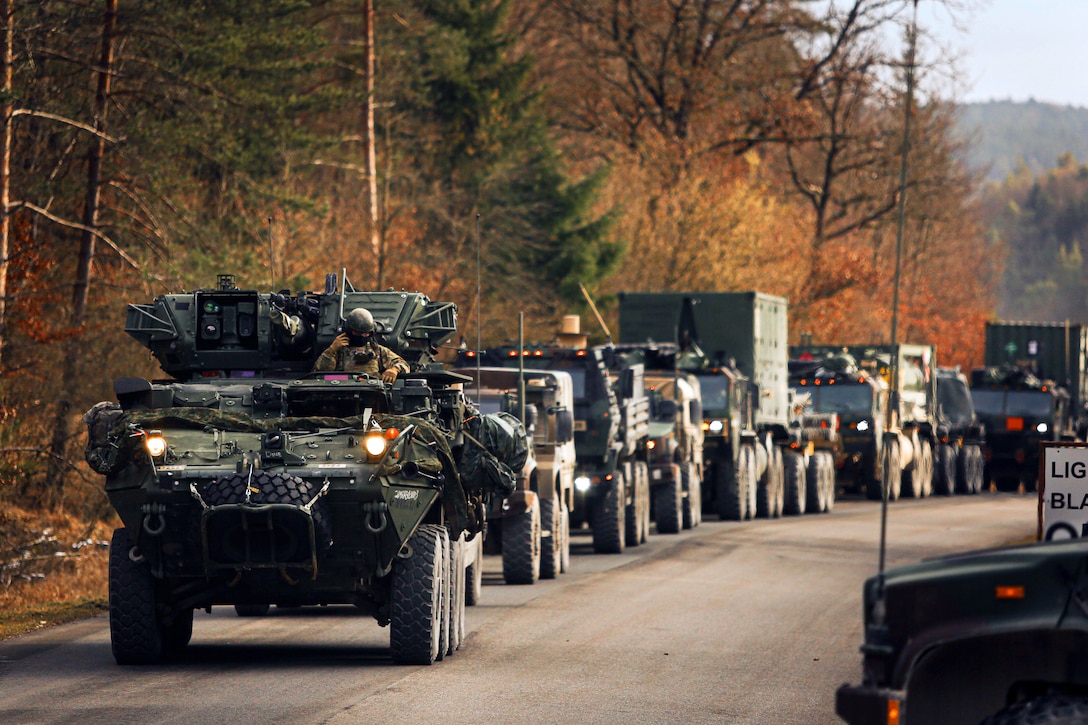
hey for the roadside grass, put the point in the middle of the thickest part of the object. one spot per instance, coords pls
(53, 569)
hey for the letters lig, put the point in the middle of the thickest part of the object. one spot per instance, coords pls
(1068, 469)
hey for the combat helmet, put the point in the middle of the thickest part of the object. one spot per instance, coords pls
(359, 320)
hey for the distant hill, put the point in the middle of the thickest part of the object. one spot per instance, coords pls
(1005, 132)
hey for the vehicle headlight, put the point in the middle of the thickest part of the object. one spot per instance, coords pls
(1042, 428)
(375, 444)
(651, 444)
(863, 425)
(716, 426)
(582, 483)
(155, 443)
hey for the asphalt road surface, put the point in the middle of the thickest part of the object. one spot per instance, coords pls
(754, 622)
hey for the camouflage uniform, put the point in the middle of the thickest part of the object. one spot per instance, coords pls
(371, 358)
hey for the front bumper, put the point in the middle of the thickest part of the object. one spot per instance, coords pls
(862, 705)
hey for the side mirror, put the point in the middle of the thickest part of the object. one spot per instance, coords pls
(564, 425)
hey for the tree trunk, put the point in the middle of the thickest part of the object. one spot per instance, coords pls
(7, 9)
(73, 348)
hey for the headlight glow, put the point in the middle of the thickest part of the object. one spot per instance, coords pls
(374, 445)
(863, 425)
(582, 483)
(155, 444)
(716, 426)
(1042, 428)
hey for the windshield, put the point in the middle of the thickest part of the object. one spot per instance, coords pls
(988, 402)
(1028, 403)
(857, 399)
(714, 389)
(955, 400)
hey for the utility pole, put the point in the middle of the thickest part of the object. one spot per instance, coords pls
(371, 163)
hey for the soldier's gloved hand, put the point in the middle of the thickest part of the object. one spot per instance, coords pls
(389, 376)
(339, 341)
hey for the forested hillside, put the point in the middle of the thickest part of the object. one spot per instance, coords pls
(1005, 135)
(696, 144)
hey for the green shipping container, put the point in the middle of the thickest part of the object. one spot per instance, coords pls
(1053, 350)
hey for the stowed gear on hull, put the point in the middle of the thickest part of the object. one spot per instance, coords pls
(248, 480)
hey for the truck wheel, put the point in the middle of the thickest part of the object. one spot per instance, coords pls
(474, 572)
(1042, 710)
(550, 538)
(521, 542)
(691, 485)
(729, 497)
(457, 594)
(918, 481)
(608, 518)
(642, 469)
(415, 622)
(969, 470)
(748, 456)
(827, 481)
(814, 485)
(769, 491)
(945, 482)
(794, 480)
(634, 512)
(564, 528)
(669, 503)
(135, 635)
(251, 610)
(444, 606)
(891, 472)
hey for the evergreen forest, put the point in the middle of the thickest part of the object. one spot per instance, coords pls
(640, 145)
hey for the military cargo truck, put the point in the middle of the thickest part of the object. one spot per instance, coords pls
(958, 462)
(812, 489)
(611, 425)
(906, 446)
(1019, 411)
(993, 637)
(531, 528)
(246, 479)
(736, 342)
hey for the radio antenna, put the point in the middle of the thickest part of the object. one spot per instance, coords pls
(271, 260)
(479, 318)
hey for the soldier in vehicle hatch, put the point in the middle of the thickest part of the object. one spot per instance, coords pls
(354, 350)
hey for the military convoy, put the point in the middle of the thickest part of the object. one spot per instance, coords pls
(245, 479)
(530, 529)
(958, 464)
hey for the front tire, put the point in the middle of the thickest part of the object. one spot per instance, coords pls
(415, 624)
(1042, 710)
(521, 543)
(945, 480)
(669, 504)
(970, 470)
(135, 635)
(550, 545)
(609, 519)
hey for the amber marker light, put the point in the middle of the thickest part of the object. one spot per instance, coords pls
(391, 433)
(155, 444)
(1014, 424)
(893, 712)
(1009, 592)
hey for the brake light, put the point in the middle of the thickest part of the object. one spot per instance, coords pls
(1014, 423)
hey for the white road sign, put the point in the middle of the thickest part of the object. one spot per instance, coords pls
(1063, 492)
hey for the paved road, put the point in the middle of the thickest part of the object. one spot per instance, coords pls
(729, 623)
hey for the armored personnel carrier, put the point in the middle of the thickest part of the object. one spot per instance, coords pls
(244, 479)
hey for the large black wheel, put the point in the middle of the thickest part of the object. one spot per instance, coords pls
(814, 485)
(135, 635)
(669, 504)
(970, 474)
(415, 624)
(795, 479)
(642, 472)
(770, 491)
(692, 487)
(551, 539)
(564, 527)
(1043, 710)
(731, 496)
(609, 518)
(944, 469)
(521, 544)
(891, 471)
(459, 582)
(474, 572)
(635, 513)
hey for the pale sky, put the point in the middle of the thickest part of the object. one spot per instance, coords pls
(1018, 49)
